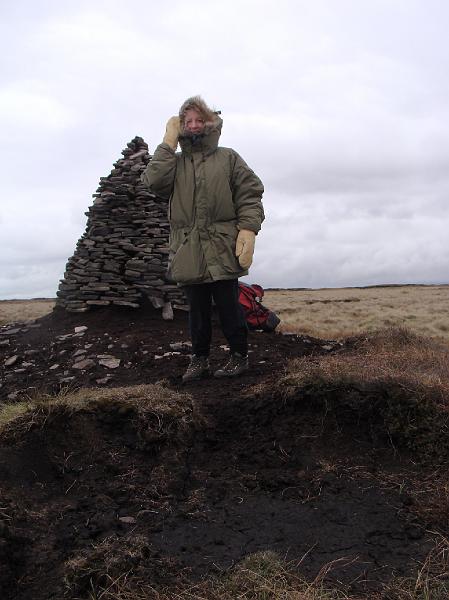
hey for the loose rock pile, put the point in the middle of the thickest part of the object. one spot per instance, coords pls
(122, 256)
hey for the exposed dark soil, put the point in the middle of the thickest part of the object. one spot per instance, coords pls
(82, 495)
(139, 338)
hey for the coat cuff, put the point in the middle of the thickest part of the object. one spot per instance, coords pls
(165, 146)
(248, 227)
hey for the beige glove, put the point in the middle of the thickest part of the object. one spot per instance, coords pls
(172, 132)
(244, 248)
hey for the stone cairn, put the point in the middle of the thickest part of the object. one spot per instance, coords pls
(122, 256)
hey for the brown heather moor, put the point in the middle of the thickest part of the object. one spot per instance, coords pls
(24, 310)
(324, 313)
(339, 313)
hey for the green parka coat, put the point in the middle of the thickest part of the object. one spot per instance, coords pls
(212, 194)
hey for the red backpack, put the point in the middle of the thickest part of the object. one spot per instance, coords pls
(256, 314)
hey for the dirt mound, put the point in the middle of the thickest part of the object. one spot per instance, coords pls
(113, 347)
(153, 486)
(81, 468)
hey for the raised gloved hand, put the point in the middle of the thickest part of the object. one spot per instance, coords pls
(244, 248)
(172, 132)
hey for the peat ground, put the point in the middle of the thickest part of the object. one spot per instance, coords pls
(142, 481)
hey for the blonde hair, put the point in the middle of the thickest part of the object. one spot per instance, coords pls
(198, 104)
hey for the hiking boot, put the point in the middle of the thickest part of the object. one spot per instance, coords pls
(197, 369)
(236, 365)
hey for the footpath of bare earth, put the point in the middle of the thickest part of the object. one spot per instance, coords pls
(321, 473)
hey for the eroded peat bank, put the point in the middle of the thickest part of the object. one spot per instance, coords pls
(322, 473)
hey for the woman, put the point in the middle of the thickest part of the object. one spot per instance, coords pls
(215, 213)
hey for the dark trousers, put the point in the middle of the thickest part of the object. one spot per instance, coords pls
(232, 320)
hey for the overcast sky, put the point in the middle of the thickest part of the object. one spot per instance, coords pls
(340, 106)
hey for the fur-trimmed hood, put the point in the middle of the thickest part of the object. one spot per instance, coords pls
(207, 141)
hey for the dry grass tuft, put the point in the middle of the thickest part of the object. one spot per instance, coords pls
(393, 383)
(261, 576)
(118, 569)
(152, 401)
(10, 412)
(112, 568)
(432, 581)
(392, 356)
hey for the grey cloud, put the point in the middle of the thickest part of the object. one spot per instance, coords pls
(343, 112)
(30, 281)
(307, 250)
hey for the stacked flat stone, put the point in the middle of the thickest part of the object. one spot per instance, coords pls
(122, 255)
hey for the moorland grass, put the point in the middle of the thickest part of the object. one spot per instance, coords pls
(324, 313)
(339, 313)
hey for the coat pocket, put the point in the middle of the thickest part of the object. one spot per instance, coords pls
(186, 260)
(224, 238)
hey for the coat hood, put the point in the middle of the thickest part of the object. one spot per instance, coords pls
(206, 142)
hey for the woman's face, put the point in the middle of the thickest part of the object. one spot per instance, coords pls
(193, 121)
